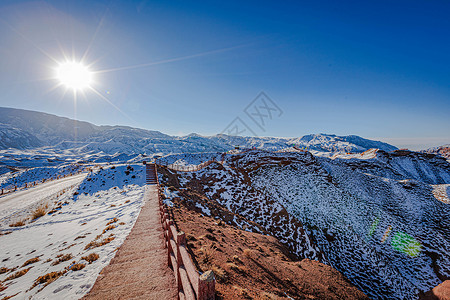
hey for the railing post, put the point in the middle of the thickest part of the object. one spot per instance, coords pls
(206, 286)
(169, 245)
(180, 239)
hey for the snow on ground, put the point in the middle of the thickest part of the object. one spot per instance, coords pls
(369, 154)
(188, 159)
(17, 205)
(37, 175)
(442, 192)
(55, 254)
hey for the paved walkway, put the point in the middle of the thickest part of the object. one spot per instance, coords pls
(139, 270)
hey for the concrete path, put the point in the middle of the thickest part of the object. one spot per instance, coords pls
(139, 270)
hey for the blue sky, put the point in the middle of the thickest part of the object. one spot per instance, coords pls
(375, 69)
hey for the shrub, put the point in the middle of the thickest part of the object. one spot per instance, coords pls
(77, 267)
(110, 227)
(39, 212)
(247, 252)
(48, 278)
(91, 258)
(114, 220)
(95, 243)
(31, 261)
(206, 258)
(17, 224)
(62, 258)
(220, 274)
(17, 274)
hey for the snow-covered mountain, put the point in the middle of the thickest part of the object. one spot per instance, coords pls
(23, 129)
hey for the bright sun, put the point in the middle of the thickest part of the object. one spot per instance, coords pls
(74, 75)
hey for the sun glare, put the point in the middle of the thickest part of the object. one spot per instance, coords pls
(74, 75)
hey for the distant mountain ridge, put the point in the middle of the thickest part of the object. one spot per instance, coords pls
(24, 129)
(443, 151)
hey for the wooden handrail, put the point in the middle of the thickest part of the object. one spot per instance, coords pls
(190, 284)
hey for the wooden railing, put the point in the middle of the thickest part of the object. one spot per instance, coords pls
(190, 284)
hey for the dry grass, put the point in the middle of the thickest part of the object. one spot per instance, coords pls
(31, 261)
(91, 258)
(96, 243)
(17, 274)
(220, 274)
(112, 221)
(206, 258)
(236, 259)
(247, 252)
(39, 212)
(2, 287)
(233, 267)
(18, 223)
(68, 247)
(242, 292)
(269, 296)
(110, 227)
(61, 258)
(9, 297)
(48, 278)
(77, 267)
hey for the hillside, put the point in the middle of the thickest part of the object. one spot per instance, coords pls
(11, 137)
(376, 219)
(249, 265)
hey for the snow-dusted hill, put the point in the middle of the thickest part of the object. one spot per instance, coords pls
(380, 218)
